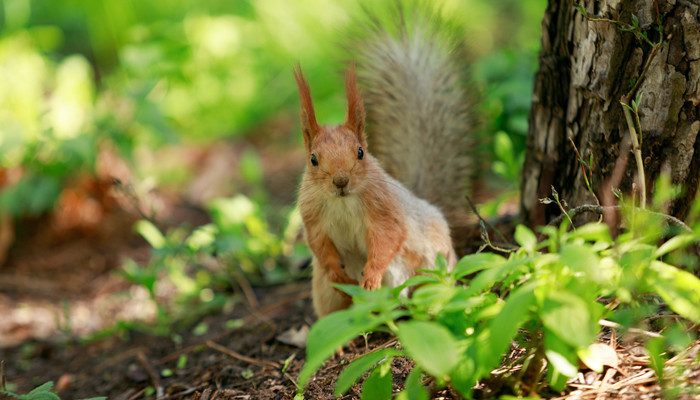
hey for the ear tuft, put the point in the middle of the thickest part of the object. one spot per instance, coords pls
(355, 117)
(309, 125)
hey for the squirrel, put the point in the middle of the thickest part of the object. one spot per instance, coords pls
(377, 221)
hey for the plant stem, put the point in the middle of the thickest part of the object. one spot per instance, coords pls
(637, 150)
(583, 169)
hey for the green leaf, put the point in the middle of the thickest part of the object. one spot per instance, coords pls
(487, 278)
(354, 371)
(503, 146)
(675, 243)
(525, 238)
(441, 263)
(352, 290)
(476, 262)
(202, 328)
(414, 281)
(679, 289)
(181, 361)
(463, 377)
(656, 350)
(430, 344)
(378, 385)
(581, 258)
(332, 332)
(414, 389)
(593, 231)
(42, 392)
(560, 355)
(150, 233)
(495, 340)
(432, 298)
(247, 373)
(557, 380)
(567, 316)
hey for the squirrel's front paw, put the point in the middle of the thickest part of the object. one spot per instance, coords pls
(341, 278)
(371, 283)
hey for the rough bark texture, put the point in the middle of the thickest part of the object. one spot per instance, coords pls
(586, 67)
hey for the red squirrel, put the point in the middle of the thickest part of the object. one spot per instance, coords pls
(362, 225)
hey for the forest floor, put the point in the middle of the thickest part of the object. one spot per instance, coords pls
(243, 353)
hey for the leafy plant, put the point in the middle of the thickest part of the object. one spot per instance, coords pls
(47, 127)
(42, 392)
(238, 246)
(547, 296)
(506, 77)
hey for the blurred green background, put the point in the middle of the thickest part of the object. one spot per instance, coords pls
(190, 95)
(76, 75)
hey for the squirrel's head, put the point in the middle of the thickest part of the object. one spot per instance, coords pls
(336, 155)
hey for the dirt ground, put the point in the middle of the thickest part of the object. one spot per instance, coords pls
(59, 283)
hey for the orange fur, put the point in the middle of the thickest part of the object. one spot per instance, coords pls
(308, 115)
(385, 235)
(360, 224)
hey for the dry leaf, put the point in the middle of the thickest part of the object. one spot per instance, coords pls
(598, 355)
(295, 337)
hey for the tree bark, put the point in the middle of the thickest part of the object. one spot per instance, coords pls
(586, 67)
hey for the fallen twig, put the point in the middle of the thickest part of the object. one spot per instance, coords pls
(611, 324)
(270, 311)
(485, 234)
(155, 378)
(240, 357)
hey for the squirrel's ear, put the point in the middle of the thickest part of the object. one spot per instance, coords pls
(309, 126)
(355, 117)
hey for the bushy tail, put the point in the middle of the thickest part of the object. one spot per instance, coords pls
(412, 78)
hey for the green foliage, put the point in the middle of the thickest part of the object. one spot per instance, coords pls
(459, 333)
(41, 392)
(238, 245)
(506, 78)
(131, 75)
(47, 123)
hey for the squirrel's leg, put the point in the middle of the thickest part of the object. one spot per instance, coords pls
(384, 240)
(328, 258)
(326, 298)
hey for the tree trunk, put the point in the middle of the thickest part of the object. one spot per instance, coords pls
(586, 67)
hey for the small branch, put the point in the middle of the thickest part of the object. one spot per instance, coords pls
(155, 378)
(610, 215)
(583, 169)
(615, 325)
(242, 282)
(652, 55)
(286, 374)
(670, 219)
(128, 191)
(241, 357)
(484, 232)
(476, 212)
(555, 195)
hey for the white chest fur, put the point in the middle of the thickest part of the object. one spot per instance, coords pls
(343, 223)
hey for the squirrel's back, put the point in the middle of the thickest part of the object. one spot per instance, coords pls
(418, 109)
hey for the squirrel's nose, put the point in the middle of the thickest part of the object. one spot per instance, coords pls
(340, 181)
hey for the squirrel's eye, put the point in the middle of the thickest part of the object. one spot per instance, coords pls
(314, 161)
(360, 153)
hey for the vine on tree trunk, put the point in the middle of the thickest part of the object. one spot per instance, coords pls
(641, 35)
